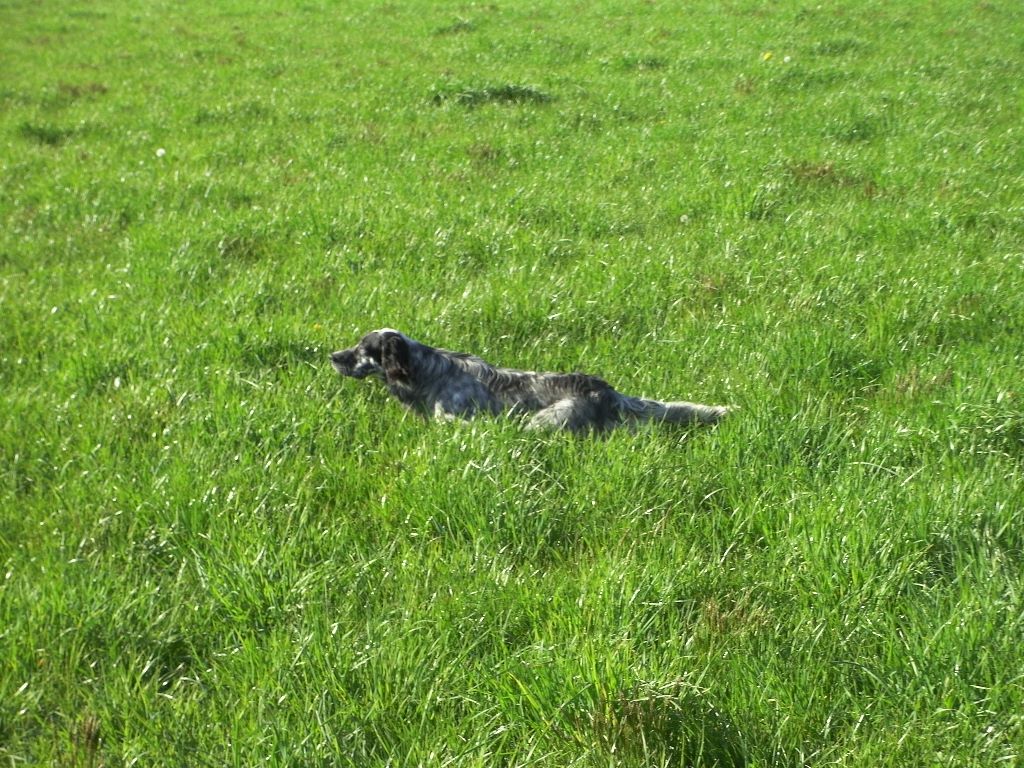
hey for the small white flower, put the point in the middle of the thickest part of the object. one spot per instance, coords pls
(161, 152)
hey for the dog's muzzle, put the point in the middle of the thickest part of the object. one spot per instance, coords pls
(344, 362)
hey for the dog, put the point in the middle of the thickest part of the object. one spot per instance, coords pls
(448, 385)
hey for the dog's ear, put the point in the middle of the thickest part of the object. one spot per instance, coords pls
(394, 358)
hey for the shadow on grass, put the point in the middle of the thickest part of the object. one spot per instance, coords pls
(278, 353)
(244, 247)
(460, 27)
(837, 47)
(48, 135)
(509, 93)
(649, 722)
(230, 114)
(642, 63)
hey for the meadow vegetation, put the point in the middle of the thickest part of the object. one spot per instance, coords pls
(215, 552)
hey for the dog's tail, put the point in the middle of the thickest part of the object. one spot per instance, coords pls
(640, 409)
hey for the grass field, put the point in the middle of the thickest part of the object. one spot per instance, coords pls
(215, 552)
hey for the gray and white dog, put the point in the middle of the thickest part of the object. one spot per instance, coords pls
(453, 384)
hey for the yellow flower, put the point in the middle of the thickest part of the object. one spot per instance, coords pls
(766, 55)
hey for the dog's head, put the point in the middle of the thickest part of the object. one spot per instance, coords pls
(383, 353)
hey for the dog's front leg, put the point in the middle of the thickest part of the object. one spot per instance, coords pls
(441, 413)
(454, 407)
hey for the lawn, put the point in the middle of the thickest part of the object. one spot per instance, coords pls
(213, 551)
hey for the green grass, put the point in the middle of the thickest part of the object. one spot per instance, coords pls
(215, 552)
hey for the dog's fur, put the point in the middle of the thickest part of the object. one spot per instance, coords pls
(453, 384)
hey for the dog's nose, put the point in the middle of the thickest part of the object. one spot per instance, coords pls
(342, 360)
